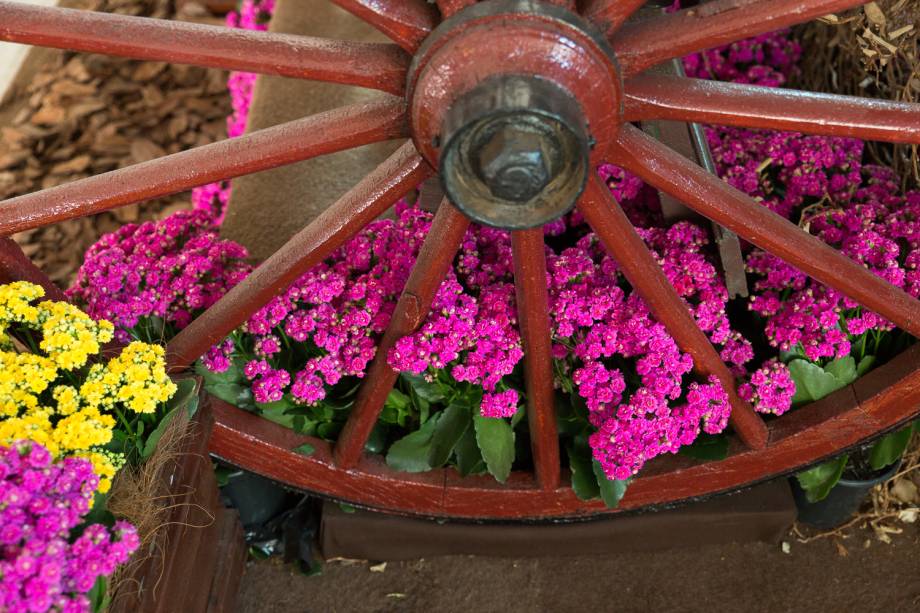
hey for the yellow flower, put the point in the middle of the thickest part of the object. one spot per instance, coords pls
(80, 421)
(15, 302)
(136, 378)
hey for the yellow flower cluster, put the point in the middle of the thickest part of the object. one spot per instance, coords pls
(136, 379)
(45, 397)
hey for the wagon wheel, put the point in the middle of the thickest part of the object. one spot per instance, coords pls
(513, 102)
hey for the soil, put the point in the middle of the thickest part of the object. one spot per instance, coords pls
(855, 574)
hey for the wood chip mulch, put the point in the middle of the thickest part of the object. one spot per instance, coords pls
(83, 115)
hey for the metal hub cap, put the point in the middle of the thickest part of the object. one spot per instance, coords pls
(512, 143)
(516, 152)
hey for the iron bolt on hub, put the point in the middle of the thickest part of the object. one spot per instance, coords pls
(507, 98)
(516, 152)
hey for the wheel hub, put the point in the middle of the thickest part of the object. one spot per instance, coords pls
(511, 100)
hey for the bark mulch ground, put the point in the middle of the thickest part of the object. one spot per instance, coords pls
(77, 115)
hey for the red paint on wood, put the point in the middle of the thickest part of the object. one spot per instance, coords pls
(610, 223)
(533, 318)
(406, 22)
(287, 143)
(610, 15)
(430, 268)
(449, 7)
(401, 172)
(749, 106)
(374, 65)
(15, 266)
(798, 439)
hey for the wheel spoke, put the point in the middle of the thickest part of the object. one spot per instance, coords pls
(373, 65)
(533, 319)
(646, 43)
(405, 22)
(610, 15)
(725, 205)
(604, 215)
(449, 7)
(15, 266)
(287, 143)
(431, 266)
(750, 106)
(400, 173)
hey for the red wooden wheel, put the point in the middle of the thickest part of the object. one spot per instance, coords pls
(557, 87)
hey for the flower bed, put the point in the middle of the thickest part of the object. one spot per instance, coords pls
(625, 392)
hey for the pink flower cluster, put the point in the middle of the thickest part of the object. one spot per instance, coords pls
(172, 269)
(877, 226)
(624, 364)
(334, 313)
(253, 15)
(770, 388)
(42, 568)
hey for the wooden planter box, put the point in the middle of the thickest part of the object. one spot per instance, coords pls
(197, 564)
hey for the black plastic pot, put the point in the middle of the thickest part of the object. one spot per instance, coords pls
(841, 503)
(256, 498)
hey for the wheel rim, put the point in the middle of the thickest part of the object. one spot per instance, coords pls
(610, 92)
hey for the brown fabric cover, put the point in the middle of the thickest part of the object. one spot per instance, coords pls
(267, 208)
(763, 513)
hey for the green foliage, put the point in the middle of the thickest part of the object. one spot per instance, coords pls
(410, 453)
(814, 383)
(584, 481)
(230, 385)
(889, 449)
(819, 480)
(305, 449)
(98, 598)
(707, 447)
(452, 425)
(469, 458)
(496, 442)
(588, 479)
(612, 490)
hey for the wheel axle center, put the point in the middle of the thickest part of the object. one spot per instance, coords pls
(513, 101)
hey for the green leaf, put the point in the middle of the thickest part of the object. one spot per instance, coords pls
(707, 447)
(377, 441)
(612, 490)
(186, 390)
(305, 449)
(278, 412)
(410, 453)
(865, 365)
(844, 369)
(469, 458)
(584, 482)
(98, 598)
(453, 423)
(518, 416)
(230, 385)
(812, 382)
(222, 474)
(347, 508)
(889, 449)
(397, 409)
(821, 479)
(150, 445)
(398, 400)
(496, 442)
(427, 390)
